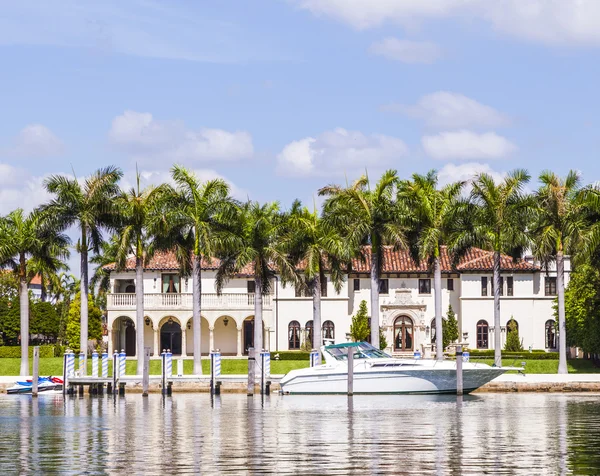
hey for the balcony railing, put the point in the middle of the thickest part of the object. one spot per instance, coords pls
(166, 301)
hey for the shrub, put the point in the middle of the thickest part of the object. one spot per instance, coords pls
(291, 355)
(360, 329)
(14, 351)
(525, 355)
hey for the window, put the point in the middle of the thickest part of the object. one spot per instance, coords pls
(251, 287)
(512, 326)
(482, 334)
(550, 334)
(484, 286)
(357, 284)
(403, 333)
(550, 286)
(501, 286)
(384, 286)
(424, 286)
(170, 283)
(450, 285)
(294, 335)
(433, 329)
(509, 286)
(324, 287)
(309, 333)
(328, 330)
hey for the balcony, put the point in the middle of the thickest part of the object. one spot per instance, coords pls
(183, 302)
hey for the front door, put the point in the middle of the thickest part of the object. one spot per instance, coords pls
(248, 335)
(170, 337)
(130, 341)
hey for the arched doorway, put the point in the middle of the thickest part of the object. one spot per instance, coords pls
(482, 334)
(403, 333)
(124, 335)
(294, 335)
(248, 334)
(170, 336)
(309, 334)
(550, 334)
(329, 330)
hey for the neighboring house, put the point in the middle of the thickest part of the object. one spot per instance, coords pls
(406, 305)
(35, 286)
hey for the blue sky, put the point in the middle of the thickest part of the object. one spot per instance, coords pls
(280, 97)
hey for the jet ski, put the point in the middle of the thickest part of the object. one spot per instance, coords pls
(45, 384)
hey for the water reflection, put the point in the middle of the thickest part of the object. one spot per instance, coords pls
(192, 433)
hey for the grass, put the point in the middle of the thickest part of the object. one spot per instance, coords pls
(54, 366)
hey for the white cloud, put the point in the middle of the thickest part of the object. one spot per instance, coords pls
(445, 109)
(337, 152)
(406, 51)
(20, 189)
(467, 145)
(554, 22)
(152, 140)
(34, 141)
(466, 172)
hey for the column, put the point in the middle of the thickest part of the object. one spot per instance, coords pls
(239, 341)
(183, 341)
(156, 343)
(110, 343)
(267, 339)
(211, 340)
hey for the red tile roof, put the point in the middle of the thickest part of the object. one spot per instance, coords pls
(394, 261)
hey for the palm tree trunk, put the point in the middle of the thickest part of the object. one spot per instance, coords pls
(497, 329)
(437, 283)
(196, 311)
(44, 293)
(83, 335)
(562, 326)
(258, 308)
(24, 314)
(317, 326)
(139, 313)
(374, 296)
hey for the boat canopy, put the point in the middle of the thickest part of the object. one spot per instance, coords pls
(362, 350)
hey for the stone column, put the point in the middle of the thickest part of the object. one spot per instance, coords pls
(183, 341)
(239, 341)
(110, 343)
(211, 340)
(156, 343)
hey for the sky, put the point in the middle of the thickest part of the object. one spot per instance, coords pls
(282, 97)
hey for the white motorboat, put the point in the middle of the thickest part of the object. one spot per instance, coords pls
(376, 372)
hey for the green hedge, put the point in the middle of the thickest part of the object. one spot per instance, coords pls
(291, 355)
(14, 351)
(525, 355)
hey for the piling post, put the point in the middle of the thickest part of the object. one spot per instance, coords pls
(104, 365)
(180, 367)
(82, 369)
(350, 371)
(94, 364)
(36, 371)
(163, 357)
(251, 370)
(115, 372)
(215, 371)
(169, 363)
(146, 372)
(459, 370)
(315, 358)
(122, 364)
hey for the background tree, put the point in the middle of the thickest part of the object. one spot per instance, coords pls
(315, 248)
(497, 220)
(367, 217)
(451, 327)
(432, 214)
(45, 320)
(257, 244)
(559, 226)
(196, 221)
(90, 207)
(73, 323)
(359, 329)
(24, 237)
(513, 343)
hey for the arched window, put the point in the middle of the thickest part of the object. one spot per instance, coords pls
(482, 334)
(294, 335)
(328, 330)
(550, 334)
(403, 333)
(309, 333)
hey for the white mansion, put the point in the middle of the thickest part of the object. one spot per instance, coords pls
(406, 306)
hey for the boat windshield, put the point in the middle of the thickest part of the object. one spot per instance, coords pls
(362, 350)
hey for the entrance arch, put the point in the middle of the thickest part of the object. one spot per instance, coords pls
(248, 334)
(403, 333)
(170, 336)
(124, 335)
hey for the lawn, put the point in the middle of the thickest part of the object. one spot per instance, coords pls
(54, 366)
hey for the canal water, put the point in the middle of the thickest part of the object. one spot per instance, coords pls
(192, 433)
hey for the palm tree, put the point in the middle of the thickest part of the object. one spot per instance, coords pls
(257, 243)
(315, 248)
(559, 229)
(368, 217)
(432, 213)
(22, 237)
(496, 220)
(48, 270)
(89, 206)
(194, 224)
(137, 210)
(100, 282)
